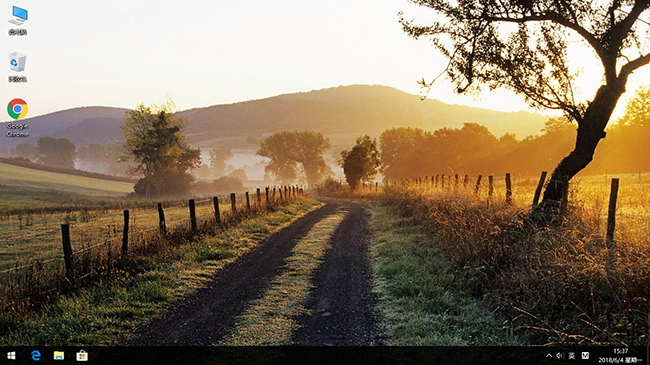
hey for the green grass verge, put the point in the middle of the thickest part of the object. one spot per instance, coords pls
(271, 319)
(99, 314)
(424, 302)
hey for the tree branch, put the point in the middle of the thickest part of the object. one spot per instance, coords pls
(590, 38)
(629, 67)
(619, 31)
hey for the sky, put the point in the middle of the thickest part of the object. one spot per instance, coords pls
(200, 53)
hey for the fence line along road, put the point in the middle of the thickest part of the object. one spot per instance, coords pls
(134, 236)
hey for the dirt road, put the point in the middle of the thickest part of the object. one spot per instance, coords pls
(340, 310)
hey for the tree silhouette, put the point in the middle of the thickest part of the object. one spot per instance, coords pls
(532, 60)
(361, 162)
(60, 152)
(219, 160)
(289, 149)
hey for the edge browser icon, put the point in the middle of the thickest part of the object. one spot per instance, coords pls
(36, 355)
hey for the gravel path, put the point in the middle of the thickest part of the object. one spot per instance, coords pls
(342, 305)
(342, 302)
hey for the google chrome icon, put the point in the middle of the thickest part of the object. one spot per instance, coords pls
(17, 108)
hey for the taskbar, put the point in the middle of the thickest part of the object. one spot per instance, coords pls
(582, 355)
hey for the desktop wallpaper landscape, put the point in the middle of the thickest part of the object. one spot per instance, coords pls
(393, 173)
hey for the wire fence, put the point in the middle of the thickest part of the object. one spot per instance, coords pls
(630, 213)
(37, 259)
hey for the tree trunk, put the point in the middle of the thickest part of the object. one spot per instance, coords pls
(591, 129)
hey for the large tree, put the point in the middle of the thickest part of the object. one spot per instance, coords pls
(532, 60)
(289, 150)
(162, 157)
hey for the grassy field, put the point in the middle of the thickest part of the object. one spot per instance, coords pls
(558, 283)
(22, 187)
(35, 207)
(34, 204)
(25, 236)
(98, 314)
(16, 175)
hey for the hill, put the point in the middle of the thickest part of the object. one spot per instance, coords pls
(82, 126)
(348, 109)
(352, 109)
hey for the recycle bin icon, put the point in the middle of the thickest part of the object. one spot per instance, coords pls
(17, 61)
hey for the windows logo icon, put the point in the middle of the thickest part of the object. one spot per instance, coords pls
(17, 108)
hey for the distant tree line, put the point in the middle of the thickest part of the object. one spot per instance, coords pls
(472, 149)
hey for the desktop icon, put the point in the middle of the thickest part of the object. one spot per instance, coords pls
(17, 108)
(36, 355)
(58, 355)
(82, 355)
(11, 355)
(20, 16)
(17, 61)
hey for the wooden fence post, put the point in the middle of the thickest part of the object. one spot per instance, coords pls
(456, 182)
(266, 190)
(442, 181)
(376, 186)
(564, 203)
(233, 203)
(248, 202)
(192, 215)
(161, 220)
(259, 198)
(490, 186)
(538, 190)
(478, 184)
(125, 234)
(273, 197)
(217, 215)
(280, 191)
(466, 181)
(67, 252)
(508, 189)
(611, 225)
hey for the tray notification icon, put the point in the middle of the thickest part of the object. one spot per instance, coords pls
(17, 61)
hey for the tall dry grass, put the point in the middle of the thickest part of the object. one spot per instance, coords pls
(556, 281)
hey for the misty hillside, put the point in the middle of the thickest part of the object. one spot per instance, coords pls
(80, 125)
(343, 109)
(348, 109)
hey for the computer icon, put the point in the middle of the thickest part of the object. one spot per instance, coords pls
(20, 14)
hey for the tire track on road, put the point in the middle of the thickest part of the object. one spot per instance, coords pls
(206, 316)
